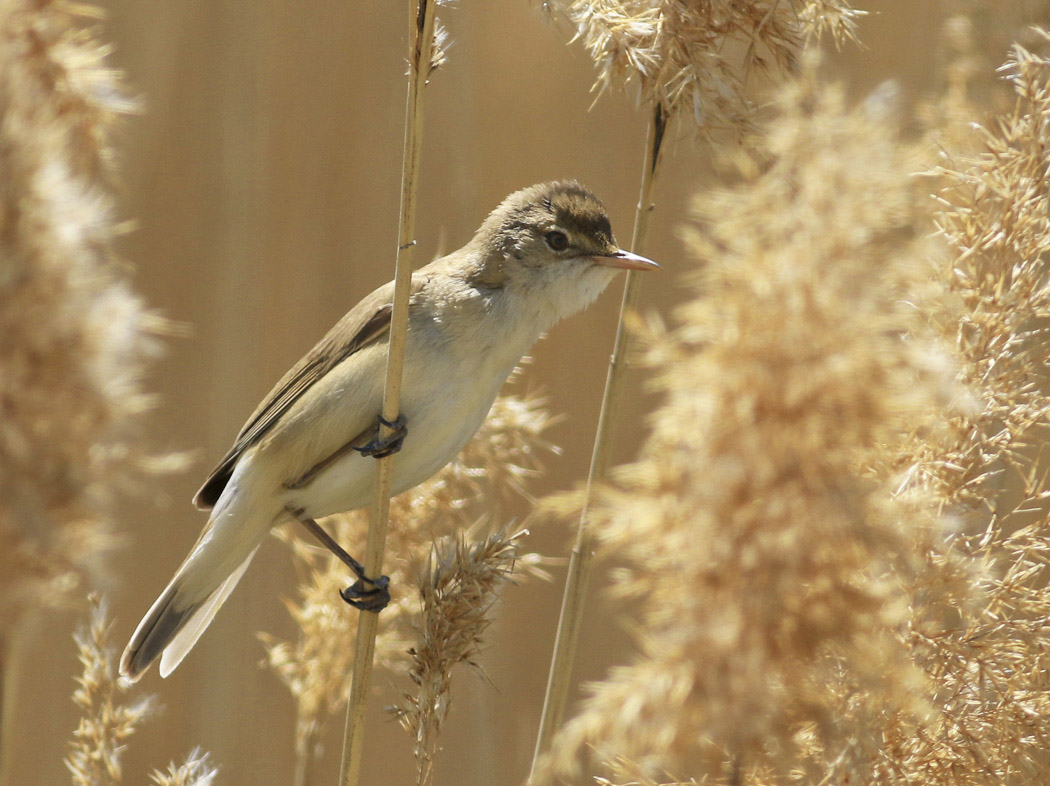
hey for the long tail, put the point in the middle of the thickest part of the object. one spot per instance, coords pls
(189, 603)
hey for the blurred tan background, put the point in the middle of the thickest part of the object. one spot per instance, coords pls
(264, 177)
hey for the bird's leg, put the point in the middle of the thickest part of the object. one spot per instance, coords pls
(386, 446)
(357, 594)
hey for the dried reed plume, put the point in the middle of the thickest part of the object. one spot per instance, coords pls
(992, 666)
(197, 770)
(101, 737)
(103, 732)
(316, 667)
(457, 590)
(993, 214)
(682, 52)
(698, 55)
(770, 566)
(75, 337)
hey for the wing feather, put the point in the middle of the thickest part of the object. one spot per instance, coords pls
(366, 323)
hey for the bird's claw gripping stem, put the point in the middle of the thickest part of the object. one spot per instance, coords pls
(374, 599)
(357, 594)
(381, 446)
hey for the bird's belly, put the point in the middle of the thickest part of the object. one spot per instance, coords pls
(441, 417)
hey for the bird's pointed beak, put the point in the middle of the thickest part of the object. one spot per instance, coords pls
(625, 259)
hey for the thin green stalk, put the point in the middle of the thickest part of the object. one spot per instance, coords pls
(422, 27)
(581, 559)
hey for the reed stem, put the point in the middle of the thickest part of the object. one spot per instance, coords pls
(10, 651)
(581, 558)
(305, 757)
(4, 690)
(422, 27)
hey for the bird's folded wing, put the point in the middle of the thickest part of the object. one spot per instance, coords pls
(365, 323)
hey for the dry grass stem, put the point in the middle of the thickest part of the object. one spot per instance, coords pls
(457, 590)
(580, 559)
(772, 569)
(421, 64)
(498, 461)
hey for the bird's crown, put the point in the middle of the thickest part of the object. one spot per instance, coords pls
(562, 205)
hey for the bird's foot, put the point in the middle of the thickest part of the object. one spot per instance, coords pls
(374, 599)
(381, 446)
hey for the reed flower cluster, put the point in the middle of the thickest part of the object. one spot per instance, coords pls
(698, 54)
(74, 338)
(316, 666)
(196, 770)
(106, 725)
(457, 590)
(771, 560)
(102, 735)
(992, 666)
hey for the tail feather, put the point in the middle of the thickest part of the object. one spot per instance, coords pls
(174, 624)
(184, 639)
(158, 627)
(237, 526)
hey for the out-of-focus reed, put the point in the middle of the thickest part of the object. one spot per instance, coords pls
(698, 55)
(74, 338)
(772, 562)
(837, 532)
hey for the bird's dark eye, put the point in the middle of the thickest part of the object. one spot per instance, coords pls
(558, 241)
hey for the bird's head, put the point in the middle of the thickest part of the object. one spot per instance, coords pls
(554, 240)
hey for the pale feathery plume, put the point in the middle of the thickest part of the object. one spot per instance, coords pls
(992, 666)
(74, 338)
(699, 54)
(101, 736)
(457, 590)
(316, 666)
(197, 770)
(994, 212)
(107, 723)
(773, 564)
(984, 643)
(627, 770)
(440, 47)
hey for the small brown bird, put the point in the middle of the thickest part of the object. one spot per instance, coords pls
(545, 253)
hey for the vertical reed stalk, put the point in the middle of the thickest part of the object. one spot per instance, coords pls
(304, 761)
(7, 674)
(422, 26)
(581, 558)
